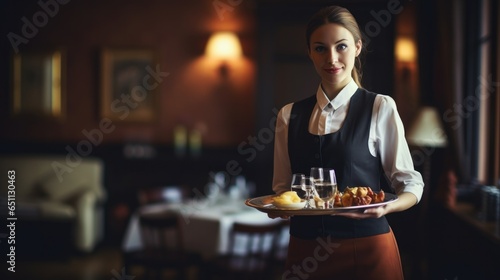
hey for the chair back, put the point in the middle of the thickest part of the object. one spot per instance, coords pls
(254, 246)
(162, 246)
(161, 230)
(162, 194)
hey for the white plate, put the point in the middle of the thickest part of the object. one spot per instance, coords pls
(298, 205)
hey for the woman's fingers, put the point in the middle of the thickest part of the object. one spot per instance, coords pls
(375, 212)
(273, 216)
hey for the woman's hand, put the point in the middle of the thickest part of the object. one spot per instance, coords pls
(405, 201)
(272, 216)
(375, 212)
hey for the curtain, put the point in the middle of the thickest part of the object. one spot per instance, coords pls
(458, 54)
(440, 44)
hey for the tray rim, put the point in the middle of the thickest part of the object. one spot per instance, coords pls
(271, 209)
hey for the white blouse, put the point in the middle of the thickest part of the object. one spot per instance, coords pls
(386, 139)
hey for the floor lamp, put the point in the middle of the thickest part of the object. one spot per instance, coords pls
(426, 133)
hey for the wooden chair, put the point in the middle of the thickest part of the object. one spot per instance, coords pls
(162, 194)
(255, 261)
(163, 248)
(281, 249)
(162, 239)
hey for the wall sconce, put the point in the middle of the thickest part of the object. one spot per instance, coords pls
(223, 46)
(405, 50)
(406, 54)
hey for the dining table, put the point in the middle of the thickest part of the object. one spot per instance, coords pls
(206, 224)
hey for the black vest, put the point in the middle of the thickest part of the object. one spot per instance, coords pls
(347, 152)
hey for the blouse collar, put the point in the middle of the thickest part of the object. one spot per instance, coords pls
(341, 99)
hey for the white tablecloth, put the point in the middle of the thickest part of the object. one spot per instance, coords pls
(206, 225)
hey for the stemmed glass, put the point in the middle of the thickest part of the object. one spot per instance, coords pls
(325, 185)
(308, 186)
(296, 185)
(317, 174)
(329, 187)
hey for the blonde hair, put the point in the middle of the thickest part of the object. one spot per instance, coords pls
(340, 16)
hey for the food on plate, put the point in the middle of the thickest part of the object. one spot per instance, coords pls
(355, 196)
(379, 197)
(288, 197)
(337, 199)
(320, 203)
(267, 200)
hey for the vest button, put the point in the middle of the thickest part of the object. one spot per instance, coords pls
(316, 156)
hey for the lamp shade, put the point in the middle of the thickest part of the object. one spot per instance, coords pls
(223, 45)
(427, 129)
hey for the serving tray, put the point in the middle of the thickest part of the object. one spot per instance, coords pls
(264, 204)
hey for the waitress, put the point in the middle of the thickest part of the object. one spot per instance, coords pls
(358, 133)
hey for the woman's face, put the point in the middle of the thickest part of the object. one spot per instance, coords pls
(333, 51)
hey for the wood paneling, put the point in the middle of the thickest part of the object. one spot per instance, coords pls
(176, 31)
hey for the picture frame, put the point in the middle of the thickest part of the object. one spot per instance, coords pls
(127, 94)
(38, 84)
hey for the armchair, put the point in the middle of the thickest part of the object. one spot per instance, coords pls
(49, 187)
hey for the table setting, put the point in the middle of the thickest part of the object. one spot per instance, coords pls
(206, 220)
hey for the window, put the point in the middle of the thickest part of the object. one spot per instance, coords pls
(481, 102)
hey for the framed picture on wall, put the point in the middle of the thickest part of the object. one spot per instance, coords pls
(38, 84)
(128, 85)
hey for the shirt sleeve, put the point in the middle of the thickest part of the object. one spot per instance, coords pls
(393, 149)
(282, 168)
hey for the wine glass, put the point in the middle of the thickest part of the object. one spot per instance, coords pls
(317, 174)
(296, 185)
(328, 187)
(308, 187)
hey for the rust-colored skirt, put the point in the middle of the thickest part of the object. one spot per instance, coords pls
(372, 257)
